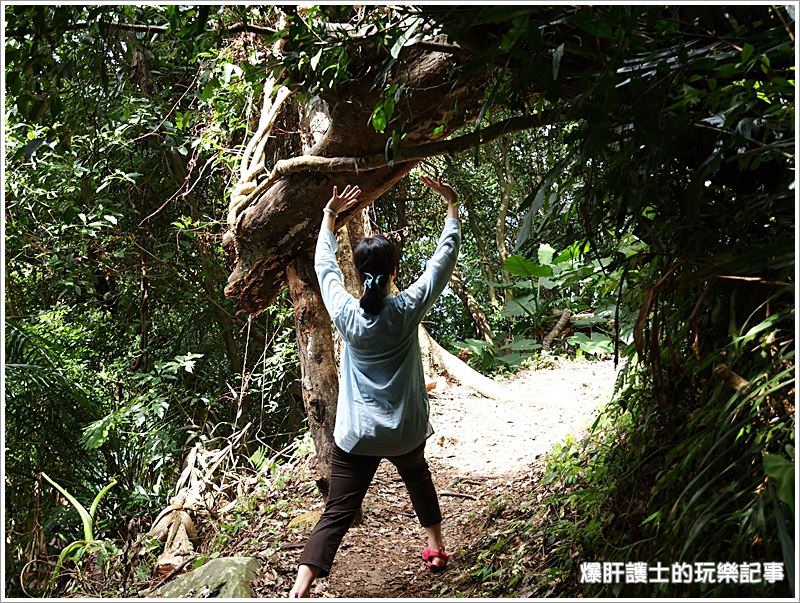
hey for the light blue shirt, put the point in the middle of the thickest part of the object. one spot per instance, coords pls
(382, 409)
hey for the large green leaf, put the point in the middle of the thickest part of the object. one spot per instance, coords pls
(521, 266)
(523, 345)
(520, 306)
(781, 470)
(596, 344)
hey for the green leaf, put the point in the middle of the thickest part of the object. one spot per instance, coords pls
(598, 318)
(548, 478)
(404, 38)
(652, 517)
(520, 306)
(596, 344)
(476, 346)
(86, 519)
(523, 345)
(512, 359)
(392, 95)
(755, 330)
(378, 118)
(747, 51)
(96, 433)
(99, 497)
(558, 53)
(782, 471)
(521, 266)
(785, 536)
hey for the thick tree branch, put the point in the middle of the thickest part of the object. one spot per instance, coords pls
(329, 165)
(440, 147)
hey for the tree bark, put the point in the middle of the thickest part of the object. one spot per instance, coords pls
(344, 256)
(359, 228)
(473, 308)
(320, 383)
(282, 223)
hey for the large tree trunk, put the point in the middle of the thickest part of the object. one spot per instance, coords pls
(283, 221)
(344, 256)
(320, 383)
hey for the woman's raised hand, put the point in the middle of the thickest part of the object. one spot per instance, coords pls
(444, 189)
(343, 201)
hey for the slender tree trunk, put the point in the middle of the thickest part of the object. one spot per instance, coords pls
(320, 383)
(344, 256)
(358, 228)
(473, 308)
(486, 263)
(503, 170)
(140, 362)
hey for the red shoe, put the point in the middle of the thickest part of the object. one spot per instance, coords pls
(428, 555)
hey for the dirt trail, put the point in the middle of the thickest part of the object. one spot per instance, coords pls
(480, 447)
(476, 435)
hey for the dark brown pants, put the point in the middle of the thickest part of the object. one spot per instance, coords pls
(351, 475)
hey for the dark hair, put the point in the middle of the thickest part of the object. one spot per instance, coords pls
(375, 258)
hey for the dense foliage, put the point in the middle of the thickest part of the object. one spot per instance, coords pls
(657, 207)
(121, 350)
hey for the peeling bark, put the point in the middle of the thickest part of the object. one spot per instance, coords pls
(473, 308)
(282, 223)
(320, 383)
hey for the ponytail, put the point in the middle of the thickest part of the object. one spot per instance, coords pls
(374, 258)
(372, 301)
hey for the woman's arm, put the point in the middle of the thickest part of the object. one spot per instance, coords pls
(421, 295)
(331, 283)
(339, 203)
(447, 193)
